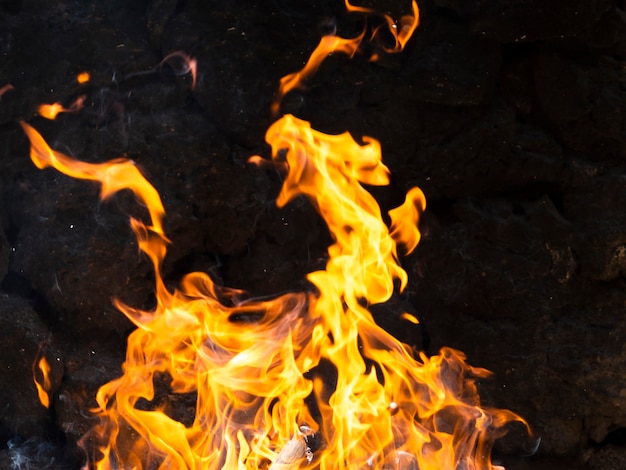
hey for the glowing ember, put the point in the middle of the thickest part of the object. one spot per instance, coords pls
(44, 385)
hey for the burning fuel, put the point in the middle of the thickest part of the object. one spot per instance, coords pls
(308, 380)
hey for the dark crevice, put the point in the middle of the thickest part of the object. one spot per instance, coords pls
(11, 232)
(617, 437)
(15, 284)
(516, 196)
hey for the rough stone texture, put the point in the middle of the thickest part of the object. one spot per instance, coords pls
(508, 114)
(525, 21)
(611, 456)
(4, 255)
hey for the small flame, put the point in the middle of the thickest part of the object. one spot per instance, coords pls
(411, 318)
(330, 44)
(44, 386)
(114, 176)
(83, 77)
(51, 111)
(401, 31)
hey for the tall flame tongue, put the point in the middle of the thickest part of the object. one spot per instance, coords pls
(266, 375)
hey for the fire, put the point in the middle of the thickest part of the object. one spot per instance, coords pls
(330, 44)
(83, 77)
(269, 376)
(401, 31)
(51, 111)
(305, 379)
(44, 386)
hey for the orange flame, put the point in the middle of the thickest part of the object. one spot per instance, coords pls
(401, 31)
(331, 44)
(269, 376)
(83, 77)
(114, 175)
(410, 317)
(328, 45)
(51, 111)
(45, 385)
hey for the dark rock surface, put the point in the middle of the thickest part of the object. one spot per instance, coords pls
(510, 115)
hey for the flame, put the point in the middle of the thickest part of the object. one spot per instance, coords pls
(410, 317)
(83, 77)
(304, 380)
(51, 111)
(401, 31)
(114, 175)
(330, 44)
(45, 385)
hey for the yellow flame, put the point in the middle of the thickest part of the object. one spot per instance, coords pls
(114, 175)
(328, 45)
(261, 372)
(409, 317)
